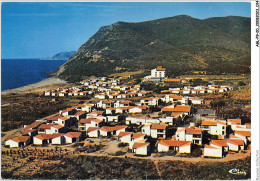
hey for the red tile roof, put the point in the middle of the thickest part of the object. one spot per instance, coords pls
(139, 145)
(179, 108)
(137, 135)
(234, 121)
(193, 131)
(92, 129)
(158, 126)
(57, 126)
(80, 112)
(107, 129)
(97, 120)
(160, 68)
(122, 134)
(20, 139)
(174, 143)
(235, 142)
(243, 133)
(176, 97)
(88, 121)
(209, 123)
(119, 127)
(222, 143)
(73, 134)
(171, 80)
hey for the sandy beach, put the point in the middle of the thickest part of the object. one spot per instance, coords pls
(38, 87)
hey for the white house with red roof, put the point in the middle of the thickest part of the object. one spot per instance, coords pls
(194, 135)
(214, 127)
(155, 130)
(125, 137)
(137, 137)
(17, 141)
(58, 139)
(84, 124)
(233, 123)
(141, 148)
(235, 145)
(112, 119)
(93, 132)
(150, 101)
(72, 137)
(178, 146)
(211, 151)
(138, 109)
(244, 135)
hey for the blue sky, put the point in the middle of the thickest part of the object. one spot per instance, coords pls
(35, 30)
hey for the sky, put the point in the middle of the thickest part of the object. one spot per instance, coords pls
(37, 30)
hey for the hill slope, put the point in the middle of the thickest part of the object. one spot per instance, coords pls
(180, 43)
(61, 56)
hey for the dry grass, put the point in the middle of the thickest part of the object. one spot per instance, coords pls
(127, 73)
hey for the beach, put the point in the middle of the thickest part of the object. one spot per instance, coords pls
(39, 87)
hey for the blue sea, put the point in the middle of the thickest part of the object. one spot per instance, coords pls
(21, 72)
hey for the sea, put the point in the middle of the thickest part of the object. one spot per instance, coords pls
(21, 72)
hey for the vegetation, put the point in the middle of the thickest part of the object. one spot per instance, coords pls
(181, 43)
(88, 167)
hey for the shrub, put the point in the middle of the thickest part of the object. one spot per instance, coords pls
(171, 153)
(118, 153)
(122, 144)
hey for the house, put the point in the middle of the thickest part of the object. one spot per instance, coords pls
(111, 110)
(95, 114)
(159, 71)
(194, 135)
(244, 135)
(81, 114)
(105, 104)
(211, 151)
(112, 118)
(172, 80)
(72, 137)
(122, 104)
(17, 141)
(235, 145)
(119, 129)
(65, 121)
(214, 127)
(136, 137)
(107, 131)
(138, 109)
(93, 132)
(168, 109)
(158, 130)
(58, 139)
(233, 123)
(150, 101)
(67, 112)
(122, 110)
(141, 148)
(178, 146)
(86, 107)
(84, 124)
(186, 110)
(43, 139)
(29, 132)
(125, 137)
(222, 144)
(135, 120)
(167, 120)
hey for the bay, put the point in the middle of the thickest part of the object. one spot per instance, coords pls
(21, 72)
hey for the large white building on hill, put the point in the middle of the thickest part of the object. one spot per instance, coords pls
(157, 74)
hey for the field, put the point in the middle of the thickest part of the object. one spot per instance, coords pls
(100, 167)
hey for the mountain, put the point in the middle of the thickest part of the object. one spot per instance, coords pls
(61, 56)
(181, 44)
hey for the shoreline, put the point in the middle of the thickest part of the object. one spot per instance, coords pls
(48, 83)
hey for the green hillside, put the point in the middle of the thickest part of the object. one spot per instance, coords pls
(181, 43)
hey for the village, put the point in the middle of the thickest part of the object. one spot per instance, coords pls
(128, 120)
